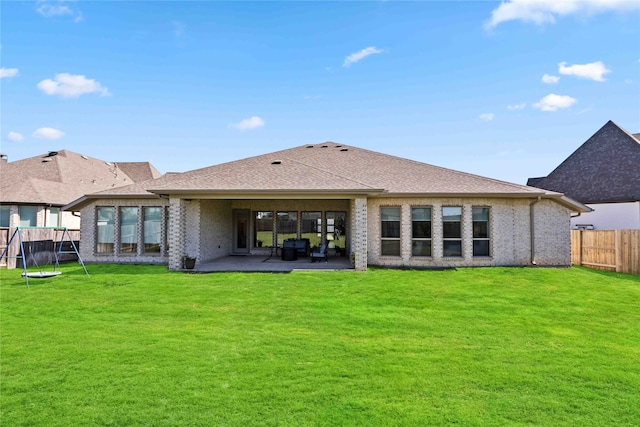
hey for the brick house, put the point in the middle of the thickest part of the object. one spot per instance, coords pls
(380, 209)
(604, 174)
(33, 190)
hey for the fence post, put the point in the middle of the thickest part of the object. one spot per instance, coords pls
(618, 252)
(580, 252)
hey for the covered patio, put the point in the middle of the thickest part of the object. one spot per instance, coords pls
(274, 264)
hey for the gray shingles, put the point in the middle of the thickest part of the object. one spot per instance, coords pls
(333, 167)
(606, 168)
(58, 179)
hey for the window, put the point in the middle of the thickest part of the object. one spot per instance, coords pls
(480, 231)
(105, 227)
(53, 217)
(129, 230)
(336, 231)
(390, 231)
(452, 231)
(5, 216)
(263, 228)
(421, 231)
(152, 229)
(287, 226)
(311, 227)
(166, 228)
(28, 216)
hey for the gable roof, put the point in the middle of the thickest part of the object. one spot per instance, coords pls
(606, 168)
(59, 177)
(139, 171)
(323, 170)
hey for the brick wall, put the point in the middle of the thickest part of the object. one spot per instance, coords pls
(510, 242)
(203, 228)
(88, 234)
(216, 225)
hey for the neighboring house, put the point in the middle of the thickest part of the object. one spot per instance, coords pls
(33, 190)
(377, 208)
(604, 174)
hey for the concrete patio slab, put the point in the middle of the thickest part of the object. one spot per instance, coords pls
(261, 263)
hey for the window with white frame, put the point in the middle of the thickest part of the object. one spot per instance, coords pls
(390, 231)
(481, 239)
(452, 231)
(28, 216)
(5, 216)
(105, 226)
(129, 229)
(53, 217)
(421, 231)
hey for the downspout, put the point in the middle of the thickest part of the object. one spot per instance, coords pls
(532, 230)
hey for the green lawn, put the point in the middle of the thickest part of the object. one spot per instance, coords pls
(136, 345)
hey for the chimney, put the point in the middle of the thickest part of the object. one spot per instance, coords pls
(4, 158)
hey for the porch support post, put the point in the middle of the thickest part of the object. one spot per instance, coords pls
(177, 233)
(359, 232)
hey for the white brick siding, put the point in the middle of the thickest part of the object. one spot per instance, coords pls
(204, 229)
(88, 234)
(216, 225)
(360, 235)
(509, 233)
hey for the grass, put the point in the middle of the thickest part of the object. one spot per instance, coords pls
(137, 345)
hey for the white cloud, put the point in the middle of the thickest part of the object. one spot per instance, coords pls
(8, 72)
(593, 71)
(253, 122)
(14, 136)
(487, 117)
(358, 56)
(553, 102)
(545, 11)
(517, 107)
(48, 133)
(549, 79)
(71, 86)
(54, 9)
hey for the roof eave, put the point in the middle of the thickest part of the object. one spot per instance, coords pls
(568, 202)
(264, 194)
(78, 204)
(466, 195)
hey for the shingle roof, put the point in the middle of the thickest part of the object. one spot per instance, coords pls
(139, 171)
(333, 167)
(606, 168)
(60, 177)
(327, 168)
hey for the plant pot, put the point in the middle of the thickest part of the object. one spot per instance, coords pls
(189, 263)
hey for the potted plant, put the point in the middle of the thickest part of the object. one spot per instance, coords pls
(189, 262)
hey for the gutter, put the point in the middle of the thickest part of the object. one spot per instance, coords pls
(532, 234)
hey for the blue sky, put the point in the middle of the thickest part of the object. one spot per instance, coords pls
(505, 90)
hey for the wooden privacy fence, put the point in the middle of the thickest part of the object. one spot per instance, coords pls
(613, 250)
(39, 245)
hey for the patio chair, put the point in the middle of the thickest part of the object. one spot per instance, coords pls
(318, 253)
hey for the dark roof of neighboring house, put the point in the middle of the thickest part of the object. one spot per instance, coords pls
(328, 169)
(606, 168)
(59, 177)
